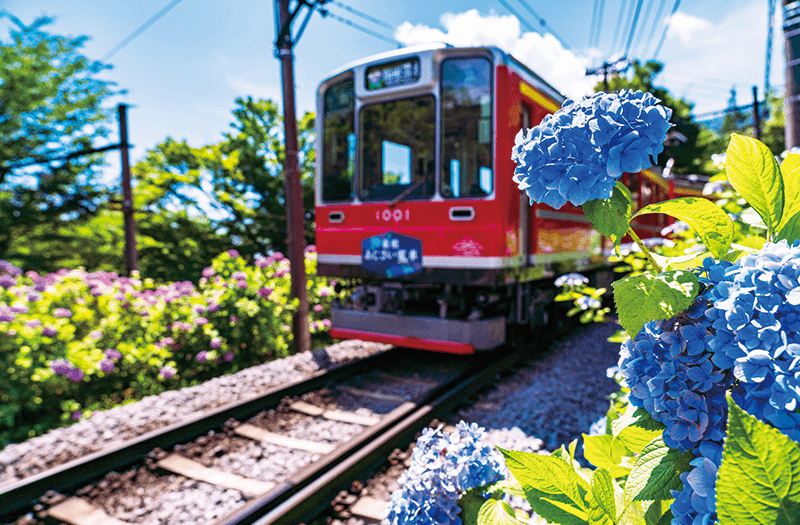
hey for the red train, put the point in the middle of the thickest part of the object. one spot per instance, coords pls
(415, 200)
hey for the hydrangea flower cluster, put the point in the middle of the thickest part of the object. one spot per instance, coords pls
(672, 375)
(571, 280)
(755, 314)
(577, 153)
(442, 468)
(696, 503)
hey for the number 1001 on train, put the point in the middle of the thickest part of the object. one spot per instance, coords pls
(415, 201)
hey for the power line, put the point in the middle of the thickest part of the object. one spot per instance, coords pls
(543, 23)
(653, 27)
(141, 29)
(365, 16)
(706, 80)
(594, 22)
(627, 24)
(644, 21)
(359, 27)
(666, 28)
(633, 27)
(519, 17)
(616, 29)
(599, 24)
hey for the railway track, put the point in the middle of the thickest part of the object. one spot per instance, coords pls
(378, 403)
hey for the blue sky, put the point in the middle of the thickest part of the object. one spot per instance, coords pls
(183, 74)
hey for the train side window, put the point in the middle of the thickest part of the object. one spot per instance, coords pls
(338, 142)
(466, 116)
(396, 163)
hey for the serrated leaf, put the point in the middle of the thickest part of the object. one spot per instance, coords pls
(496, 512)
(611, 217)
(656, 471)
(791, 230)
(759, 479)
(605, 451)
(470, 502)
(682, 262)
(710, 222)
(552, 487)
(600, 499)
(791, 189)
(753, 172)
(646, 297)
(636, 428)
(654, 512)
(507, 486)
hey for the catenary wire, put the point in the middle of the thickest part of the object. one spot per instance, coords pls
(359, 27)
(594, 22)
(653, 27)
(666, 28)
(627, 24)
(141, 29)
(365, 16)
(646, 17)
(519, 17)
(599, 24)
(616, 29)
(544, 23)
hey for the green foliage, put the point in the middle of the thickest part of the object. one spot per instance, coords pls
(238, 317)
(647, 297)
(656, 471)
(39, 70)
(635, 429)
(611, 217)
(759, 479)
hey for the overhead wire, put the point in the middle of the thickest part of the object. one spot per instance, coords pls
(616, 29)
(365, 16)
(141, 29)
(594, 22)
(627, 24)
(544, 23)
(326, 12)
(638, 38)
(632, 31)
(666, 28)
(519, 17)
(653, 27)
(599, 24)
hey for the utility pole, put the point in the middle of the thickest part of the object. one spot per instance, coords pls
(791, 37)
(616, 67)
(756, 115)
(131, 258)
(295, 221)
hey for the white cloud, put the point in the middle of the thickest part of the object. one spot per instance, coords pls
(246, 87)
(543, 54)
(686, 27)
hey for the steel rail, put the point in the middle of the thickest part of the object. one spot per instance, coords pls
(305, 494)
(23, 494)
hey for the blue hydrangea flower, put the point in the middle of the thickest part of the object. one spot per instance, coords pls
(755, 316)
(571, 279)
(577, 154)
(442, 468)
(671, 374)
(696, 503)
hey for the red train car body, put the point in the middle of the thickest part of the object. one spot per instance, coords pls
(415, 200)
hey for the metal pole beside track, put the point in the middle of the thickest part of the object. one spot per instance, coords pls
(131, 257)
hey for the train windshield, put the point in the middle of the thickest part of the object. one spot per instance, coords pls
(339, 150)
(466, 168)
(398, 145)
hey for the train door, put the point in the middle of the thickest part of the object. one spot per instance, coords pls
(524, 202)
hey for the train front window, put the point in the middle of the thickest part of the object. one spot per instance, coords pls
(466, 169)
(339, 142)
(398, 145)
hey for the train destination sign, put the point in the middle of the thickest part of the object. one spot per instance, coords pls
(393, 74)
(391, 254)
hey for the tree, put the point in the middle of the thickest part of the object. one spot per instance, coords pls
(51, 105)
(698, 145)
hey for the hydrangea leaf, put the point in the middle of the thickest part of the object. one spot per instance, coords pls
(656, 471)
(658, 513)
(552, 487)
(600, 499)
(710, 222)
(791, 190)
(506, 486)
(647, 297)
(605, 451)
(636, 428)
(470, 503)
(790, 230)
(496, 512)
(759, 479)
(753, 172)
(611, 217)
(789, 164)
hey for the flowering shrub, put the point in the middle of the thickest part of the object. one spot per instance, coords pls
(88, 341)
(707, 426)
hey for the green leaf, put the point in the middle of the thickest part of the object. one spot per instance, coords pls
(759, 479)
(710, 222)
(506, 486)
(656, 471)
(552, 487)
(646, 297)
(605, 451)
(470, 502)
(611, 217)
(753, 172)
(496, 512)
(600, 499)
(791, 230)
(636, 428)
(791, 188)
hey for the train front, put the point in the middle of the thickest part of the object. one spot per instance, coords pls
(408, 201)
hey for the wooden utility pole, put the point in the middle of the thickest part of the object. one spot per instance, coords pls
(791, 38)
(756, 115)
(295, 221)
(131, 257)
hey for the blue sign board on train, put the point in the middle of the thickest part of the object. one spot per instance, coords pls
(391, 254)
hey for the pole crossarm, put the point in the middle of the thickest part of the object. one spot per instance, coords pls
(284, 39)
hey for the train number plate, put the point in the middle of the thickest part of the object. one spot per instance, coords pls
(391, 254)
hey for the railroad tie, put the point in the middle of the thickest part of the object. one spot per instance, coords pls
(336, 415)
(370, 508)
(192, 469)
(358, 392)
(259, 434)
(76, 511)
